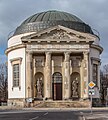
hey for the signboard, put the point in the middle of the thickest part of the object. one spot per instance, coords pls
(91, 84)
(29, 100)
(91, 92)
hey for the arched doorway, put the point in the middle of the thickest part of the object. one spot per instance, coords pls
(39, 85)
(75, 85)
(57, 86)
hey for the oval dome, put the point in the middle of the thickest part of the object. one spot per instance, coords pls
(47, 19)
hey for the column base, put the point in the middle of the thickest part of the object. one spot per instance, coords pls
(49, 99)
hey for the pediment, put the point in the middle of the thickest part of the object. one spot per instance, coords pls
(58, 33)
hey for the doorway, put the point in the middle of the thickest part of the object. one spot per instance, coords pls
(57, 86)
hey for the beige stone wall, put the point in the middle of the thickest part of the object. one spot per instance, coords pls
(16, 102)
(58, 63)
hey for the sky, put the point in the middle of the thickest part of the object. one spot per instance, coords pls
(92, 12)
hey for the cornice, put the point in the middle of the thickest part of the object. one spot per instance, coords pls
(97, 47)
(14, 48)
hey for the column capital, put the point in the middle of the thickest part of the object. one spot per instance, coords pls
(48, 53)
(29, 52)
(67, 56)
(67, 53)
(85, 52)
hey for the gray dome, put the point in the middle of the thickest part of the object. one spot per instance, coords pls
(52, 16)
(48, 19)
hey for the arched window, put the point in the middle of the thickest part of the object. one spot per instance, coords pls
(57, 77)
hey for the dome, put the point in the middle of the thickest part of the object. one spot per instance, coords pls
(43, 20)
(52, 16)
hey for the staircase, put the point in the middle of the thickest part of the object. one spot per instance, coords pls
(61, 104)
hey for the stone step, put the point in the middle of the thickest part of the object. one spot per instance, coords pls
(61, 104)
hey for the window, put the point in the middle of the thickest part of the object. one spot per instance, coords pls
(16, 68)
(95, 73)
(16, 75)
(57, 77)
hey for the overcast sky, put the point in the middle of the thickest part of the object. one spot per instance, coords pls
(92, 12)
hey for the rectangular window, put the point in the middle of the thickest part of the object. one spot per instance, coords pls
(15, 75)
(95, 73)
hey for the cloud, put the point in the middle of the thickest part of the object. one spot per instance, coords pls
(92, 12)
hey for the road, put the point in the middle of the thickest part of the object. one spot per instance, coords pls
(42, 115)
(53, 115)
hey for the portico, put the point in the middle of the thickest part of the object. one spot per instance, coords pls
(58, 70)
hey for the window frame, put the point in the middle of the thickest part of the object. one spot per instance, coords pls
(16, 61)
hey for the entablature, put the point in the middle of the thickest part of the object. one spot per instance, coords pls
(57, 47)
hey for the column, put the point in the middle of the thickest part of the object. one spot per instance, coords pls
(86, 74)
(48, 76)
(29, 75)
(66, 83)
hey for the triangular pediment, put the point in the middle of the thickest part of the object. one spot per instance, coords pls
(59, 33)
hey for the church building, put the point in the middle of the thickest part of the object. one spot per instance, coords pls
(52, 56)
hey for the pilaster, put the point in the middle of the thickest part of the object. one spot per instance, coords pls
(48, 76)
(86, 74)
(66, 82)
(29, 75)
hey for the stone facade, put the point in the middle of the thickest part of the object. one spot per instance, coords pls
(57, 64)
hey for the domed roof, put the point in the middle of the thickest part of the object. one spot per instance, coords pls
(52, 16)
(47, 19)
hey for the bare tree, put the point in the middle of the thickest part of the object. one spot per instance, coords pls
(104, 83)
(105, 68)
(3, 81)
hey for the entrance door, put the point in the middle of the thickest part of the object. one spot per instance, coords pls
(57, 86)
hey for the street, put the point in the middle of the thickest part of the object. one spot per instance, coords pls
(32, 115)
(53, 114)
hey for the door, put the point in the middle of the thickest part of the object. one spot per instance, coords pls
(57, 86)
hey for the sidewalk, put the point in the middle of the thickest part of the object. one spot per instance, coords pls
(66, 109)
(95, 116)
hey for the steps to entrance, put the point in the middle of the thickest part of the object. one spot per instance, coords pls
(61, 104)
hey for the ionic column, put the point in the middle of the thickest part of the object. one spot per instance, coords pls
(48, 76)
(67, 84)
(86, 73)
(28, 75)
